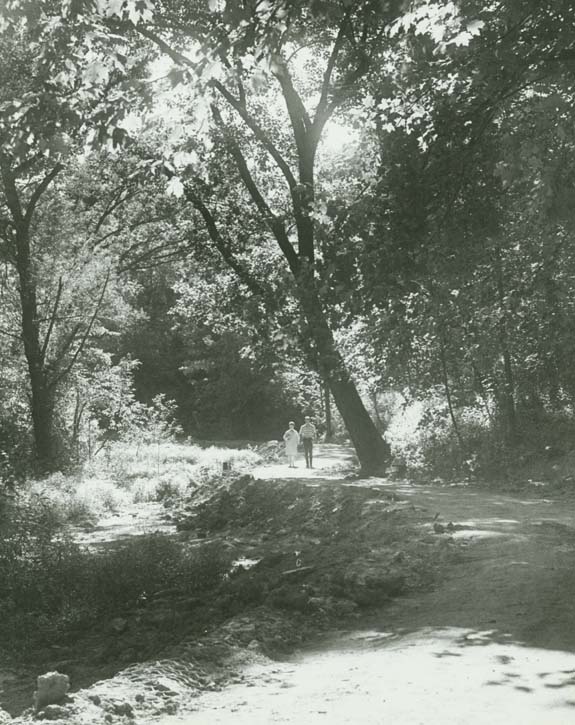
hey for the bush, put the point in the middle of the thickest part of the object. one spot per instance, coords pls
(424, 441)
(49, 586)
(148, 565)
(38, 564)
(151, 472)
(79, 501)
(15, 454)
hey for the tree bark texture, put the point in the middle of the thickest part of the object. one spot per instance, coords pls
(42, 403)
(372, 451)
(328, 418)
(41, 393)
(447, 389)
(508, 393)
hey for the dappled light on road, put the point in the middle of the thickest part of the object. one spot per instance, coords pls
(443, 677)
(493, 643)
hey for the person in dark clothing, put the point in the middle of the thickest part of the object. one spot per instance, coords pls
(307, 435)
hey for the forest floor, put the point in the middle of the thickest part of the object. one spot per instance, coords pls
(492, 641)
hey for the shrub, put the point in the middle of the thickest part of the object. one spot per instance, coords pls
(38, 564)
(78, 501)
(147, 565)
(49, 585)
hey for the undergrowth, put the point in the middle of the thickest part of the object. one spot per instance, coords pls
(51, 587)
(126, 474)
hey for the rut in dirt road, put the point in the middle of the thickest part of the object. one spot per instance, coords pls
(494, 642)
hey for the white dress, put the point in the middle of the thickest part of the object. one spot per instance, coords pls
(291, 437)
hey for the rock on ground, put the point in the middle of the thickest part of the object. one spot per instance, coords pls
(52, 688)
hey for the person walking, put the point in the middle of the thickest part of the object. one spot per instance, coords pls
(291, 438)
(307, 435)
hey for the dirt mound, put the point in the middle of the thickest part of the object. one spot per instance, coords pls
(320, 507)
(271, 452)
(306, 556)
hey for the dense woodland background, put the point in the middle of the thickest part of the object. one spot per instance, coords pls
(219, 216)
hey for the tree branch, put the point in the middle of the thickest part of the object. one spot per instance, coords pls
(67, 344)
(14, 335)
(27, 163)
(137, 264)
(9, 183)
(323, 109)
(306, 141)
(132, 249)
(130, 258)
(39, 190)
(243, 275)
(272, 221)
(52, 320)
(177, 57)
(131, 227)
(259, 133)
(113, 204)
(82, 343)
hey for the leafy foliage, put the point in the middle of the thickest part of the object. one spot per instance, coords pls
(52, 587)
(185, 208)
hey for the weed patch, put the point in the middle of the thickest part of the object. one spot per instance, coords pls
(51, 587)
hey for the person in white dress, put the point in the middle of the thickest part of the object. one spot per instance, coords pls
(291, 438)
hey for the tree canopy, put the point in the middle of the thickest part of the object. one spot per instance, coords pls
(237, 196)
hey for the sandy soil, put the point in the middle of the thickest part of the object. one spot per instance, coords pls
(492, 643)
(135, 520)
(329, 461)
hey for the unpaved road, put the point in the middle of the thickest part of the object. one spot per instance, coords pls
(492, 643)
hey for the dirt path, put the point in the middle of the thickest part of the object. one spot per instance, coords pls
(492, 643)
(135, 520)
(329, 461)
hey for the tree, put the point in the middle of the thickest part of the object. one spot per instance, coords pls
(475, 167)
(54, 94)
(244, 48)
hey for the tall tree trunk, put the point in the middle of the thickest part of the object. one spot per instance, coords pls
(379, 422)
(509, 408)
(552, 355)
(42, 393)
(508, 393)
(42, 403)
(482, 392)
(328, 418)
(447, 388)
(372, 451)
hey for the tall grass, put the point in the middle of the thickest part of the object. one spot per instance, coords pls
(51, 586)
(126, 474)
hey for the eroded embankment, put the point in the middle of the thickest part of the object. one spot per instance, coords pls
(308, 555)
(315, 554)
(492, 642)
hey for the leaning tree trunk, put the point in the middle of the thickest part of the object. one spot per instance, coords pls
(328, 419)
(372, 451)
